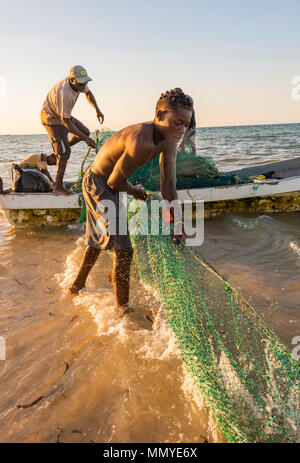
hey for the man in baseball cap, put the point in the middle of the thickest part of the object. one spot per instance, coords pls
(79, 74)
(58, 122)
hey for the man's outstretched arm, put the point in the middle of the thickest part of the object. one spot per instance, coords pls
(47, 173)
(167, 162)
(92, 100)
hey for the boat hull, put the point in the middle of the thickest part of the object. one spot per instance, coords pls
(49, 210)
(40, 209)
(22, 218)
(38, 217)
(287, 202)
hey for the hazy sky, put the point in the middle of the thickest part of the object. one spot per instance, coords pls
(236, 58)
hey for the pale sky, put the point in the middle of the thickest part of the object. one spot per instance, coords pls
(235, 58)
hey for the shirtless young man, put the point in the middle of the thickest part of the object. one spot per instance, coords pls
(116, 161)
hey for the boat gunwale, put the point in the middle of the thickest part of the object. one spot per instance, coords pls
(194, 195)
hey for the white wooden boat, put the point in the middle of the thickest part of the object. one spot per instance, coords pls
(40, 209)
(271, 195)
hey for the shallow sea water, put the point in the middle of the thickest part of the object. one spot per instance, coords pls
(76, 372)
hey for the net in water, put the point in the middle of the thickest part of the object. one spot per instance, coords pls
(247, 375)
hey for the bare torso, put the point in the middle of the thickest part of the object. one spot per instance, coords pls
(144, 134)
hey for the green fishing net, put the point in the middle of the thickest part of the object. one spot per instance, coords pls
(191, 171)
(248, 377)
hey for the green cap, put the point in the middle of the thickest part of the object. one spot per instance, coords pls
(80, 74)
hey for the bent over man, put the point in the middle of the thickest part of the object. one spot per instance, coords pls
(40, 161)
(57, 120)
(116, 161)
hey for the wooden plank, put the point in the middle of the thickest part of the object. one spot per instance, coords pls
(39, 201)
(248, 190)
(225, 193)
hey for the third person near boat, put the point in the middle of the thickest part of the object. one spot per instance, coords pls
(40, 161)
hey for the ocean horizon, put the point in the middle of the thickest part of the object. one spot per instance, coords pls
(198, 127)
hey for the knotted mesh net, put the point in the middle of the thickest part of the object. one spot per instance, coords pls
(245, 372)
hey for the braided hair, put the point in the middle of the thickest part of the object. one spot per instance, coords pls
(171, 99)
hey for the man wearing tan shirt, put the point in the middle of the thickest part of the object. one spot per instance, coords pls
(57, 119)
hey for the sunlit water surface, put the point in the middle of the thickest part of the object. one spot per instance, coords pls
(75, 371)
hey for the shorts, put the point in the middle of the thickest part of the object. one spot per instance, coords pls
(59, 137)
(104, 214)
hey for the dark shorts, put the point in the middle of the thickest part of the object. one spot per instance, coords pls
(59, 137)
(103, 212)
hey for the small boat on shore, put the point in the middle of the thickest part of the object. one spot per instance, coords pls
(267, 195)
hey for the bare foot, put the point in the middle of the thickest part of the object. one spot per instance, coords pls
(61, 191)
(152, 314)
(75, 288)
(124, 309)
